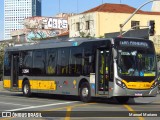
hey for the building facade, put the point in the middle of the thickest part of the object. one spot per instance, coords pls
(37, 28)
(15, 11)
(107, 18)
(155, 6)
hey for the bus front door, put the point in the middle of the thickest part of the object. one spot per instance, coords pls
(14, 71)
(102, 73)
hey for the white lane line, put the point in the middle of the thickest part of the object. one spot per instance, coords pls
(41, 106)
(13, 104)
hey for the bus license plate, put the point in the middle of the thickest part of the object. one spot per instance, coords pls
(138, 94)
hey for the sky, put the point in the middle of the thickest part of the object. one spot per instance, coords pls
(53, 7)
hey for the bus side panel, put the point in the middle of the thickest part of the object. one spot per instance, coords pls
(53, 85)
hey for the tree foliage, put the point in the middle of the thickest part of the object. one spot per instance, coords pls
(2, 47)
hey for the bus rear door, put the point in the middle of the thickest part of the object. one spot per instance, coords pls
(102, 68)
(14, 71)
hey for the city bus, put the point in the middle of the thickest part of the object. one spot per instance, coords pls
(119, 68)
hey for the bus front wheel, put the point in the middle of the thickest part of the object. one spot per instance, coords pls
(85, 93)
(122, 100)
(26, 89)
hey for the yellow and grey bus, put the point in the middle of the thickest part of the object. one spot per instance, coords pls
(120, 68)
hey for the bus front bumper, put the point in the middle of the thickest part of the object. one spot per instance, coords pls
(118, 91)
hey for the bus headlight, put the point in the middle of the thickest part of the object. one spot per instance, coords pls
(154, 84)
(120, 83)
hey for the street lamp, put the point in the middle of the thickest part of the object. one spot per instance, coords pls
(122, 25)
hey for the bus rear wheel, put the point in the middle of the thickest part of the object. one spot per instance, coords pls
(26, 89)
(121, 99)
(85, 93)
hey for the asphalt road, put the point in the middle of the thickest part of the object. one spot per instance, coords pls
(52, 107)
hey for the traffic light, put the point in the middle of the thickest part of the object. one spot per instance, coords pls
(151, 27)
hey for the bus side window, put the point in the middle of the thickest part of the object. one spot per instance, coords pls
(26, 57)
(88, 63)
(63, 61)
(75, 65)
(7, 64)
(39, 62)
(51, 61)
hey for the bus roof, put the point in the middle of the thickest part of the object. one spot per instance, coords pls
(54, 43)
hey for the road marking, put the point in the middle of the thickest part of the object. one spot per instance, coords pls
(39, 99)
(68, 113)
(77, 105)
(130, 109)
(31, 107)
(69, 109)
(13, 104)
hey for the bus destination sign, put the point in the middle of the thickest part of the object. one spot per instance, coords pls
(134, 43)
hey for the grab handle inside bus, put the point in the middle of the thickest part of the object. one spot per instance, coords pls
(114, 54)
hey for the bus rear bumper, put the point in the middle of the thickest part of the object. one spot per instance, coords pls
(135, 93)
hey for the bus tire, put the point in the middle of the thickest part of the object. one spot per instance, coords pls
(85, 92)
(122, 100)
(26, 89)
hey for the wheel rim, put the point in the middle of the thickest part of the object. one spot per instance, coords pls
(85, 92)
(26, 88)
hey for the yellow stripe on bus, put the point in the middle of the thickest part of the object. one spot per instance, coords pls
(149, 74)
(19, 83)
(40, 84)
(34, 84)
(49, 85)
(43, 85)
(6, 83)
(138, 85)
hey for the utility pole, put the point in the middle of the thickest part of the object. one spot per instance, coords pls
(59, 6)
(77, 6)
(122, 25)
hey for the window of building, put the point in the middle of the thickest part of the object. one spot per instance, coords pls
(43, 26)
(87, 25)
(135, 24)
(78, 26)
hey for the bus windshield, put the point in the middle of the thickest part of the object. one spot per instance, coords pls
(134, 61)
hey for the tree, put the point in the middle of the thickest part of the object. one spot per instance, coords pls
(2, 47)
(85, 35)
